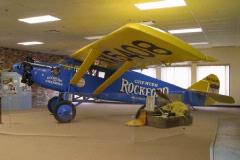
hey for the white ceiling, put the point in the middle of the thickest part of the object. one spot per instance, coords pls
(219, 20)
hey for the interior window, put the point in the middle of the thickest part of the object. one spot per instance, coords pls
(177, 75)
(148, 72)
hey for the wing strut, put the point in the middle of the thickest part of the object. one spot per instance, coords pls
(114, 76)
(89, 60)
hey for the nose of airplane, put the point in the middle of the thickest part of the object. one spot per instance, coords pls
(16, 68)
(24, 69)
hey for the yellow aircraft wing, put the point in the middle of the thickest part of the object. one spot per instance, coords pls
(142, 44)
(134, 46)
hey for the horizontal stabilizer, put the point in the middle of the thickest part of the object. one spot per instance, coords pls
(221, 98)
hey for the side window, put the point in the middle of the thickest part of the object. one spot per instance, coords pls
(96, 71)
(101, 74)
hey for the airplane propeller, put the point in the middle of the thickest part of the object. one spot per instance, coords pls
(27, 68)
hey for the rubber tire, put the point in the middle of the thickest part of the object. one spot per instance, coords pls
(52, 102)
(58, 118)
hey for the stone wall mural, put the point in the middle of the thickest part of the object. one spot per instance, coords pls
(40, 96)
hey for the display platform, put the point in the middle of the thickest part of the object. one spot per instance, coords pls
(167, 122)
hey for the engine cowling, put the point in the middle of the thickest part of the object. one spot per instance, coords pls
(27, 68)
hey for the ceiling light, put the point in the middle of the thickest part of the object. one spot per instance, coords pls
(160, 4)
(39, 19)
(93, 37)
(30, 43)
(198, 43)
(148, 23)
(189, 30)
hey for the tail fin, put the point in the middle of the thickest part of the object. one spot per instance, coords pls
(209, 84)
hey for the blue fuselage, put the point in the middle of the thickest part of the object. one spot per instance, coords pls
(131, 87)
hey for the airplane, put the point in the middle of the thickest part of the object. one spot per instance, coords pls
(103, 70)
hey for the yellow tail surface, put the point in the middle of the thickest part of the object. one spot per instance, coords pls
(210, 86)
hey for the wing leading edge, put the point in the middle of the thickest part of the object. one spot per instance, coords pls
(143, 45)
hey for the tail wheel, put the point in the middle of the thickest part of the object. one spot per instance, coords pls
(53, 102)
(64, 112)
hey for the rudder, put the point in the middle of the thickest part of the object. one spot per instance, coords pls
(209, 84)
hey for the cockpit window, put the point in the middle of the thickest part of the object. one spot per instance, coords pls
(95, 71)
(100, 72)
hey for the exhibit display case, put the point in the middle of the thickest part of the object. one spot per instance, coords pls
(15, 95)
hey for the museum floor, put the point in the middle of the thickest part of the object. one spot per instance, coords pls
(99, 133)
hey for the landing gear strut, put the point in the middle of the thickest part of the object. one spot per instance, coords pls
(63, 110)
(62, 106)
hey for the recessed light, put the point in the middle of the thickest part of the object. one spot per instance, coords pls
(30, 43)
(188, 30)
(160, 4)
(148, 23)
(198, 43)
(39, 19)
(93, 37)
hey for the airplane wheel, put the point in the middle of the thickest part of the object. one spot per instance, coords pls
(64, 112)
(53, 102)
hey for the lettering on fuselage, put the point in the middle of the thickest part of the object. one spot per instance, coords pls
(54, 80)
(136, 88)
(138, 49)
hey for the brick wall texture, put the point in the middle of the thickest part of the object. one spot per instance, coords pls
(8, 57)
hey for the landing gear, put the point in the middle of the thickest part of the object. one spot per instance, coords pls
(64, 112)
(52, 103)
(62, 108)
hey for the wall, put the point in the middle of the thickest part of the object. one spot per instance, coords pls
(231, 56)
(10, 56)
